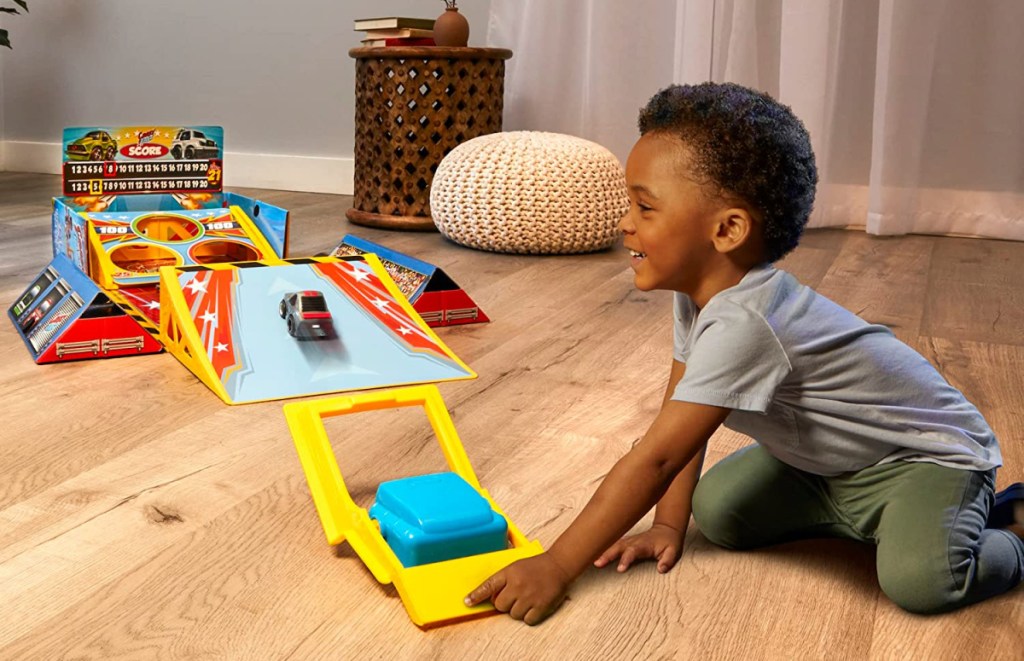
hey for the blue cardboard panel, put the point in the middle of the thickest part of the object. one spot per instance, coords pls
(144, 202)
(51, 303)
(410, 274)
(392, 255)
(68, 232)
(272, 221)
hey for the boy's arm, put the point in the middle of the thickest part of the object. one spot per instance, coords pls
(637, 482)
(532, 588)
(674, 507)
(663, 542)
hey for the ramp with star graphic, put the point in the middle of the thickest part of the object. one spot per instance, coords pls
(63, 315)
(237, 327)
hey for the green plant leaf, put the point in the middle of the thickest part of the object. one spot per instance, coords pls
(5, 39)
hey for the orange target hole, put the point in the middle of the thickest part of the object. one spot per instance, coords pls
(167, 228)
(220, 252)
(141, 258)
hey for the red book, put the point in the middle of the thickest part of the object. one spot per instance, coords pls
(400, 41)
(410, 41)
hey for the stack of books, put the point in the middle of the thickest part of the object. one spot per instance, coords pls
(396, 31)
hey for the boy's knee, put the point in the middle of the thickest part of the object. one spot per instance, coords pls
(717, 520)
(916, 589)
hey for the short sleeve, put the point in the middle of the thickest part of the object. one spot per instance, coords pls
(735, 360)
(683, 314)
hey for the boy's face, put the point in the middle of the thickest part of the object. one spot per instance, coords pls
(670, 223)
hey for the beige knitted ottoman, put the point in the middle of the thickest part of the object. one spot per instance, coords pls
(529, 192)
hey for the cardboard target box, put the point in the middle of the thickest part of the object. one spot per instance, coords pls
(135, 198)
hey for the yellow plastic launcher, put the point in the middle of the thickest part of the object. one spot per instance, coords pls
(433, 592)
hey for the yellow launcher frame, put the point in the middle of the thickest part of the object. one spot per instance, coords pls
(433, 593)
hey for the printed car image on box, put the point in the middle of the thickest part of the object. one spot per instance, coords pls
(192, 143)
(95, 145)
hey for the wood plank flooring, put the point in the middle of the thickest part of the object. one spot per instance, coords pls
(142, 518)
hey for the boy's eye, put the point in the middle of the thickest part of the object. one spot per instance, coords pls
(643, 207)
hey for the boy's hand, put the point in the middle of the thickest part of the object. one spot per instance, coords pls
(528, 590)
(662, 543)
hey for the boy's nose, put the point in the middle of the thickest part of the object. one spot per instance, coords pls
(626, 224)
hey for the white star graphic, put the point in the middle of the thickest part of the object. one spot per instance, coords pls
(381, 303)
(196, 286)
(209, 317)
(153, 305)
(220, 346)
(404, 330)
(360, 275)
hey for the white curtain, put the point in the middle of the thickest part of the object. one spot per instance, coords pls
(915, 107)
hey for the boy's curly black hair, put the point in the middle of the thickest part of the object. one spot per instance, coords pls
(748, 145)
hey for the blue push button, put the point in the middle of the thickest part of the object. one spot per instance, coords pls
(436, 517)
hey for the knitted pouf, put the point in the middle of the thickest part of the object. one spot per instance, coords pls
(529, 192)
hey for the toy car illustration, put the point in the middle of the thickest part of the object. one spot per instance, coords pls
(189, 143)
(93, 146)
(29, 321)
(307, 315)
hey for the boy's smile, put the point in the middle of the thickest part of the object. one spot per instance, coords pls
(635, 257)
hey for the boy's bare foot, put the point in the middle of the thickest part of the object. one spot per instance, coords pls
(1008, 510)
(1017, 527)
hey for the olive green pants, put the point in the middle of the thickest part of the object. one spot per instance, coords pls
(927, 521)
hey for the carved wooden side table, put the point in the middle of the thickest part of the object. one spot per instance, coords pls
(414, 104)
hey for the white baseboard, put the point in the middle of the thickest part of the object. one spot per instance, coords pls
(311, 174)
(42, 157)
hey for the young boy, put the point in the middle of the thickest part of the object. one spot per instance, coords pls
(857, 435)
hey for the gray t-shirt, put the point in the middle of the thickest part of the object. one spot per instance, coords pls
(817, 386)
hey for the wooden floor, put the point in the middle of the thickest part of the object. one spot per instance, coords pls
(140, 517)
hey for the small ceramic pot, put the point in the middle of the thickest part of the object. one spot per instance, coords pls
(451, 29)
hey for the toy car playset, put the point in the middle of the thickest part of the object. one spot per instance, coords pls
(131, 204)
(150, 253)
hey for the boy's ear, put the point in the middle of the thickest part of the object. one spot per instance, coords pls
(734, 228)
